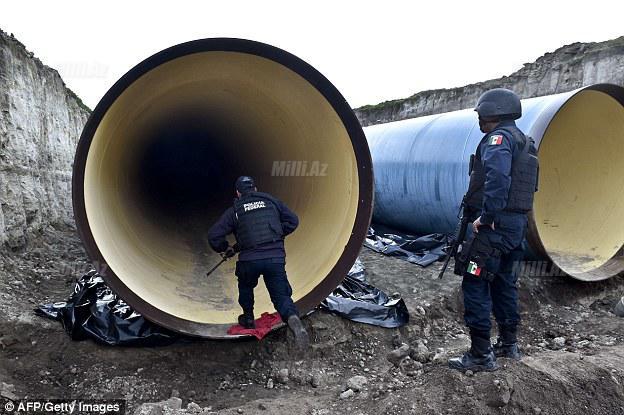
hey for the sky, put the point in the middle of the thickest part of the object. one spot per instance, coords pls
(372, 51)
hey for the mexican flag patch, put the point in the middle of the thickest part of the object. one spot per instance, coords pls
(474, 269)
(496, 140)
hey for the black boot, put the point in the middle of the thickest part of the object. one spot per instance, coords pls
(479, 358)
(247, 320)
(509, 351)
(301, 335)
(507, 343)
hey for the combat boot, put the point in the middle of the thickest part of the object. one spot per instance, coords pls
(301, 335)
(509, 351)
(479, 358)
(507, 343)
(247, 320)
(469, 361)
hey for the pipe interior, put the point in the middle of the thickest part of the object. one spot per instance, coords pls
(161, 169)
(580, 204)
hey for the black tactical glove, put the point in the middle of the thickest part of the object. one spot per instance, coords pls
(228, 253)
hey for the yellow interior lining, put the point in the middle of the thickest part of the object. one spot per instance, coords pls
(580, 203)
(269, 114)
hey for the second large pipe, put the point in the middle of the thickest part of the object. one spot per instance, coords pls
(421, 174)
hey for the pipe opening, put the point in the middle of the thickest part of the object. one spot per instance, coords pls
(183, 174)
(160, 169)
(579, 206)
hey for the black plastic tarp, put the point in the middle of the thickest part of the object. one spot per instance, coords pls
(94, 311)
(359, 301)
(423, 250)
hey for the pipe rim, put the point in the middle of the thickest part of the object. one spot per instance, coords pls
(290, 61)
(615, 264)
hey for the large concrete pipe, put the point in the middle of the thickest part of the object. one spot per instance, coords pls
(157, 161)
(421, 174)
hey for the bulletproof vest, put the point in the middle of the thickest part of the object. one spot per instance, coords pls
(524, 174)
(258, 220)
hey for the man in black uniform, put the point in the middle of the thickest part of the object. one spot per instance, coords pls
(259, 222)
(500, 194)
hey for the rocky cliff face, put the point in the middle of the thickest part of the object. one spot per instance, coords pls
(40, 123)
(563, 70)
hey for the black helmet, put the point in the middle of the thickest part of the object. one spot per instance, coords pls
(499, 103)
(245, 184)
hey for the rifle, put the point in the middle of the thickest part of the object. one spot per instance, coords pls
(460, 235)
(227, 254)
(216, 266)
(462, 226)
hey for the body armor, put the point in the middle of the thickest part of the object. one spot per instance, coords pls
(524, 174)
(258, 220)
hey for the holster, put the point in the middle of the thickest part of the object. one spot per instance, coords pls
(474, 256)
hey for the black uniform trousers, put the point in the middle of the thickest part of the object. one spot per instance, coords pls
(274, 272)
(500, 296)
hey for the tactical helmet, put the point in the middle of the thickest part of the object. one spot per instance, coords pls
(245, 184)
(499, 103)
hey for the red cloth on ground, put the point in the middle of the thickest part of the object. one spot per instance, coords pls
(264, 325)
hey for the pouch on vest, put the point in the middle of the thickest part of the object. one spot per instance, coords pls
(473, 256)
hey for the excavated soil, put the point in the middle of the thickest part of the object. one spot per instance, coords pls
(574, 361)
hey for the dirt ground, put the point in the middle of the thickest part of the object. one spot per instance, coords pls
(573, 343)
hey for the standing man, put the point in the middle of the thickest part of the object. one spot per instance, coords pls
(502, 184)
(259, 222)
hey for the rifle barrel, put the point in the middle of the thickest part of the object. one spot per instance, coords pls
(216, 266)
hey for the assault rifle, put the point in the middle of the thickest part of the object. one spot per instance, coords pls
(462, 226)
(460, 235)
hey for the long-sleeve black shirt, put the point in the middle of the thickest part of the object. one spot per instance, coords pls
(497, 150)
(227, 224)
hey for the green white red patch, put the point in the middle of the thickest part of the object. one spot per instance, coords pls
(496, 140)
(474, 269)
